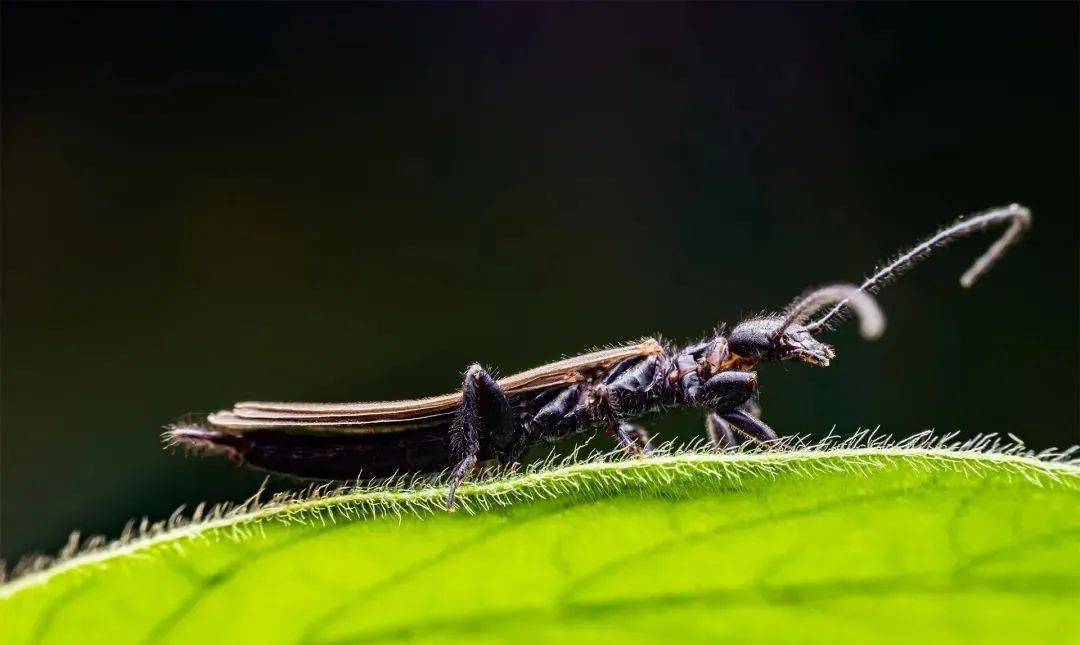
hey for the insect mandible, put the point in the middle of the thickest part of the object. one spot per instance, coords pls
(500, 419)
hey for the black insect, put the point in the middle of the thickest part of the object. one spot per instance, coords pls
(607, 389)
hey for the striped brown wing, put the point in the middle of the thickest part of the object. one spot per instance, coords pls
(391, 416)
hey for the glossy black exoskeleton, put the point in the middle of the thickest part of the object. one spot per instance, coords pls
(608, 389)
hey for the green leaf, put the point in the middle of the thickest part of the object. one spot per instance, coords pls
(857, 544)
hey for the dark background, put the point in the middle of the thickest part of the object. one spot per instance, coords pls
(209, 203)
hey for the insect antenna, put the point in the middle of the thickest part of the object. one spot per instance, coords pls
(871, 320)
(1018, 218)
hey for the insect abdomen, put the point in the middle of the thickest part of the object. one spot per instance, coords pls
(325, 456)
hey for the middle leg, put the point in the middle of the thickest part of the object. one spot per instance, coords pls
(632, 438)
(623, 396)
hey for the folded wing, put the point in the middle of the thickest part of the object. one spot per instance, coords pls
(393, 416)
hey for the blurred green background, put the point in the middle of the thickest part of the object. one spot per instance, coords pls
(209, 203)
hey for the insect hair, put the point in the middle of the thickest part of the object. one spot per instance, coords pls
(871, 320)
(591, 477)
(1018, 218)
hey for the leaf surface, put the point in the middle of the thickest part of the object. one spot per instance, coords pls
(872, 544)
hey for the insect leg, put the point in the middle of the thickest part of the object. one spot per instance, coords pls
(720, 433)
(749, 426)
(485, 411)
(725, 391)
(728, 390)
(463, 469)
(752, 407)
(634, 439)
(641, 438)
(730, 393)
(624, 395)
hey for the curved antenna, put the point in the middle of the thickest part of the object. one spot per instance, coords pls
(1018, 217)
(871, 320)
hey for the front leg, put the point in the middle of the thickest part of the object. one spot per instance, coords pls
(723, 436)
(734, 409)
(750, 426)
(484, 414)
(720, 433)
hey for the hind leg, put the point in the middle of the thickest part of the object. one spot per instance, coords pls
(484, 415)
